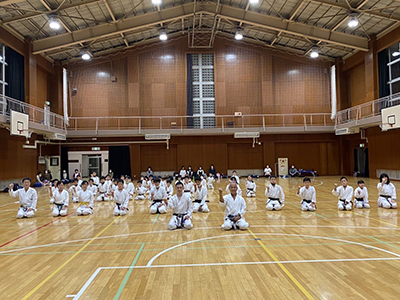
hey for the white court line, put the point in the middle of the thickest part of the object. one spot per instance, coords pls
(91, 279)
(200, 228)
(70, 296)
(303, 235)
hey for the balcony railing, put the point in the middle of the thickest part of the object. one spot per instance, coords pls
(366, 110)
(221, 122)
(36, 115)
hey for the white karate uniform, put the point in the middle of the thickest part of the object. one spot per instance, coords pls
(237, 179)
(85, 203)
(204, 183)
(345, 194)
(109, 188)
(188, 188)
(182, 173)
(180, 208)
(233, 208)
(361, 199)
(93, 189)
(267, 171)
(53, 189)
(74, 189)
(61, 201)
(387, 190)
(170, 191)
(130, 188)
(210, 181)
(121, 201)
(103, 192)
(239, 190)
(27, 200)
(200, 196)
(96, 180)
(158, 194)
(140, 192)
(251, 188)
(275, 192)
(308, 197)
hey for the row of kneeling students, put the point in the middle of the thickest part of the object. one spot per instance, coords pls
(181, 205)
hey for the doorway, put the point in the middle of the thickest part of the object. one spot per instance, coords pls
(361, 165)
(90, 164)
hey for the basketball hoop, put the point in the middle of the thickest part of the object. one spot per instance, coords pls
(25, 132)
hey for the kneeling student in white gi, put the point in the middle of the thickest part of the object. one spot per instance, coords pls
(210, 180)
(169, 189)
(250, 187)
(275, 195)
(61, 200)
(182, 208)
(308, 194)
(74, 189)
(158, 195)
(200, 196)
(361, 195)
(27, 199)
(140, 191)
(103, 190)
(130, 187)
(121, 198)
(235, 208)
(387, 192)
(86, 199)
(92, 187)
(188, 186)
(53, 188)
(345, 194)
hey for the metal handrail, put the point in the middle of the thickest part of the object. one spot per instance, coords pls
(36, 114)
(223, 122)
(366, 110)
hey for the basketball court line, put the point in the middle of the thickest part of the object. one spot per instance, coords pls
(377, 220)
(65, 263)
(202, 228)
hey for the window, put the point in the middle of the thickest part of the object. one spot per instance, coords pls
(203, 90)
(394, 69)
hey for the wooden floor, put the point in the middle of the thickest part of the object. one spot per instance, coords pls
(283, 255)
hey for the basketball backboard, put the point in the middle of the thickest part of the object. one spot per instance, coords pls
(19, 124)
(390, 118)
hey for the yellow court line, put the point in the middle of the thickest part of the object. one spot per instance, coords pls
(367, 217)
(64, 264)
(298, 284)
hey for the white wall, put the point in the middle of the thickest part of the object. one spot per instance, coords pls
(77, 155)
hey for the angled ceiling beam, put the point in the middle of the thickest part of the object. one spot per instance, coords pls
(113, 28)
(294, 28)
(47, 12)
(358, 9)
(226, 12)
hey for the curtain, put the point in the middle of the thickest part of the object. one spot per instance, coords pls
(383, 72)
(189, 89)
(119, 160)
(64, 161)
(15, 75)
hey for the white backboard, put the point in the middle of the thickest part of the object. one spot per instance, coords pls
(390, 117)
(19, 124)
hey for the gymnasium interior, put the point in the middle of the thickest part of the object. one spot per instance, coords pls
(118, 86)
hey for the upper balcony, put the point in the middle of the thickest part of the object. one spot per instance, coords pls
(192, 125)
(40, 121)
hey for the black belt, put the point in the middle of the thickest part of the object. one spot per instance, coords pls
(186, 191)
(249, 189)
(343, 200)
(140, 194)
(179, 215)
(197, 201)
(385, 196)
(59, 206)
(308, 201)
(359, 199)
(157, 200)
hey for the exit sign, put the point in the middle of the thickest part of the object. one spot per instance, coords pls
(95, 148)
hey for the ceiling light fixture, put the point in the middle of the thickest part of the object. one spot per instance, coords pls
(353, 21)
(86, 55)
(163, 35)
(156, 2)
(54, 23)
(314, 52)
(253, 2)
(239, 34)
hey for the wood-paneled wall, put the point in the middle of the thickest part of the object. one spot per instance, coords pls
(15, 161)
(152, 82)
